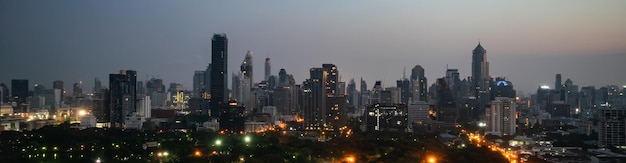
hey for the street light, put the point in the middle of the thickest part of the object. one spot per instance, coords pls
(431, 159)
(218, 142)
(247, 139)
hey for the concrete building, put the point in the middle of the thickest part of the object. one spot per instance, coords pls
(611, 127)
(500, 117)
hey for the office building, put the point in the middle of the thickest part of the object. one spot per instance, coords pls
(123, 96)
(500, 118)
(19, 90)
(419, 90)
(219, 73)
(268, 69)
(611, 127)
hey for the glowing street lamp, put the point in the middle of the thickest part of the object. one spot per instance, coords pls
(247, 139)
(218, 142)
(431, 159)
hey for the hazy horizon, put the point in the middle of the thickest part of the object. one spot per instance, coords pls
(526, 42)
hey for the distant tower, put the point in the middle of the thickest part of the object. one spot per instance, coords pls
(123, 95)
(78, 89)
(480, 77)
(557, 83)
(97, 84)
(419, 90)
(19, 90)
(58, 84)
(219, 73)
(501, 117)
(480, 67)
(268, 68)
(246, 66)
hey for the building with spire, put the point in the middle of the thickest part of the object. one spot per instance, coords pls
(480, 78)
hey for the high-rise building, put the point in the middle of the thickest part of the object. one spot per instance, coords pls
(198, 83)
(246, 68)
(480, 66)
(219, 73)
(19, 90)
(37, 89)
(268, 69)
(501, 116)
(5, 93)
(557, 83)
(353, 94)
(78, 89)
(141, 89)
(207, 81)
(503, 88)
(405, 91)
(315, 99)
(365, 94)
(480, 78)
(123, 96)
(419, 85)
(101, 105)
(155, 86)
(612, 127)
(97, 84)
(58, 84)
(332, 79)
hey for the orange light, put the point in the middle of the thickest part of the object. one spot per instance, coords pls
(350, 159)
(432, 160)
(197, 153)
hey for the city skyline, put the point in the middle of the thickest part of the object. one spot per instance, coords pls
(583, 41)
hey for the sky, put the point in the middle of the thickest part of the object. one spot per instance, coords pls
(528, 42)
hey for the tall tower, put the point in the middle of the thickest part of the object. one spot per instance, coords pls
(246, 66)
(19, 90)
(58, 84)
(419, 90)
(501, 116)
(315, 99)
(268, 68)
(557, 83)
(480, 66)
(332, 79)
(97, 84)
(480, 77)
(123, 95)
(219, 69)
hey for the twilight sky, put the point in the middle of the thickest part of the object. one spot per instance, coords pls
(526, 42)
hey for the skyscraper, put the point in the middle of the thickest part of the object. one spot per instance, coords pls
(246, 66)
(198, 83)
(19, 90)
(5, 93)
(353, 94)
(97, 84)
(480, 77)
(78, 89)
(315, 99)
(219, 69)
(58, 84)
(123, 96)
(611, 127)
(404, 88)
(268, 68)
(501, 117)
(332, 79)
(419, 90)
(480, 66)
(557, 83)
